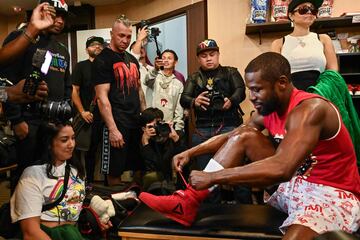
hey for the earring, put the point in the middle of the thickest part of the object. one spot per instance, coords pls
(291, 24)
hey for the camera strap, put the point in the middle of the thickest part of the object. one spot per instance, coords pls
(57, 201)
(105, 153)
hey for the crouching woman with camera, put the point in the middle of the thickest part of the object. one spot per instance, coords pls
(59, 181)
(159, 143)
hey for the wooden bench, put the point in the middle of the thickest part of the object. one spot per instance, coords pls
(213, 222)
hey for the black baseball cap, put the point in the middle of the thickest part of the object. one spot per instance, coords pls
(94, 39)
(207, 44)
(294, 3)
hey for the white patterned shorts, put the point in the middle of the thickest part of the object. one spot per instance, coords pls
(321, 208)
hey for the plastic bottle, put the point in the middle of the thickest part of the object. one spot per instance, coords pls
(354, 47)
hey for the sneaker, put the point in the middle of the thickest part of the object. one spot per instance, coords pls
(356, 89)
(182, 206)
(351, 89)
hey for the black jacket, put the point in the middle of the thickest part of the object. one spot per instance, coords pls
(158, 156)
(228, 81)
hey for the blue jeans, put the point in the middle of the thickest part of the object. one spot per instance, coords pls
(203, 134)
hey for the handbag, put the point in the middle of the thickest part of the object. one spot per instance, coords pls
(9, 229)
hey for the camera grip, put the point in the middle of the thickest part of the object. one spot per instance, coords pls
(32, 83)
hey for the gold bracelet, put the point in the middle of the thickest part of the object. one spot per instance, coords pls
(29, 38)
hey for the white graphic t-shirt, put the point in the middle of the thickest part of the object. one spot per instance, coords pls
(36, 189)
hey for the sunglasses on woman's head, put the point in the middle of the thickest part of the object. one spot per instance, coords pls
(304, 10)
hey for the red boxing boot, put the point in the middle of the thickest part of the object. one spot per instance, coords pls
(181, 207)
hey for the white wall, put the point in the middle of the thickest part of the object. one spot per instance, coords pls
(81, 37)
(173, 36)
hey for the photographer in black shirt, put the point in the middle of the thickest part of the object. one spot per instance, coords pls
(25, 119)
(159, 143)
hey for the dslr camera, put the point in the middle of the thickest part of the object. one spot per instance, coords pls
(216, 100)
(54, 111)
(162, 129)
(59, 111)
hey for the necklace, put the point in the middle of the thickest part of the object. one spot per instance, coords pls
(301, 42)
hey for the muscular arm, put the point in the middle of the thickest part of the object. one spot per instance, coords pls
(31, 230)
(102, 90)
(307, 118)
(104, 105)
(329, 51)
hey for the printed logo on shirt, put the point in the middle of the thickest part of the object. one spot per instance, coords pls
(58, 63)
(69, 208)
(210, 84)
(345, 195)
(163, 102)
(316, 208)
(125, 75)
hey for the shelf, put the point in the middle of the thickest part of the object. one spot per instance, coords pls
(348, 54)
(322, 24)
(350, 74)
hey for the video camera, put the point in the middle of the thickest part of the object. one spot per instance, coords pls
(59, 111)
(154, 32)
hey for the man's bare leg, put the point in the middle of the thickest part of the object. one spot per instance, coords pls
(183, 205)
(244, 142)
(299, 232)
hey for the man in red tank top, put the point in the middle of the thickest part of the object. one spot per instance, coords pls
(314, 162)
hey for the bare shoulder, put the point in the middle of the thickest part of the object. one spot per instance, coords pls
(314, 107)
(315, 113)
(324, 38)
(276, 45)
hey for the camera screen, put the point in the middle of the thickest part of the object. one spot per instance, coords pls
(45, 66)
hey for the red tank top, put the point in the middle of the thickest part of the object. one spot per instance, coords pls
(333, 161)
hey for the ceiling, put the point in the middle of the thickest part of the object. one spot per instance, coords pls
(6, 6)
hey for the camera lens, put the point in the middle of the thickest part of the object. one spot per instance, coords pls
(56, 111)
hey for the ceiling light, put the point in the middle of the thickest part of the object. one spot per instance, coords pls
(17, 9)
(77, 3)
